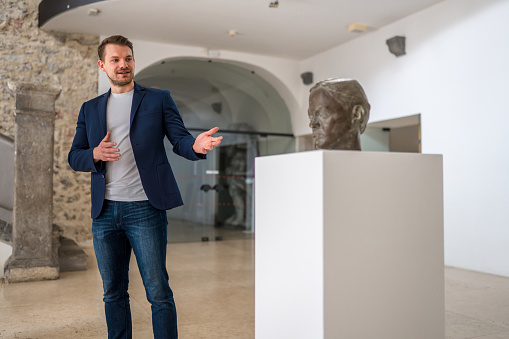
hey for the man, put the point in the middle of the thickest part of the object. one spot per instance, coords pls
(338, 113)
(119, 139)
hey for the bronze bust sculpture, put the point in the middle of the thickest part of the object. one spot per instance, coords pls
(338, 113)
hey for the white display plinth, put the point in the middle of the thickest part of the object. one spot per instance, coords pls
(349, 245)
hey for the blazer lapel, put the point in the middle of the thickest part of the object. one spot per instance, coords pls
(103, 102)
(137, 96)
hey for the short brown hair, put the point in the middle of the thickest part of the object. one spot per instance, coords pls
(116, 40)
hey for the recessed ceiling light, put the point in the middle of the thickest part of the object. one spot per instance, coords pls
(232, 33)
(93, 12)
(357, 28)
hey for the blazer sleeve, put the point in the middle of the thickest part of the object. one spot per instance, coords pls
(176, 132)
(81, 156)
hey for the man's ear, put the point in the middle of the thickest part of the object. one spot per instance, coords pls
(100, 63)
(358, 115)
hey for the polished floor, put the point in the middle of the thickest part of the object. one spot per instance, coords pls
(214, 290)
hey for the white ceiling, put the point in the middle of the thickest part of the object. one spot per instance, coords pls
(297, 29)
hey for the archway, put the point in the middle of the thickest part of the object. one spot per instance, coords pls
(253, 119)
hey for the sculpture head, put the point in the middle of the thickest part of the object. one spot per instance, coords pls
(338, 113)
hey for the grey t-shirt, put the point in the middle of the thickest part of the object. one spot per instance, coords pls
(123, 181)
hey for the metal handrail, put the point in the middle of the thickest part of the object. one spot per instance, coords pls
(262, 134)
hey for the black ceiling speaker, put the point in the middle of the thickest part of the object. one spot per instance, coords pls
(397, 45)
(307, 78)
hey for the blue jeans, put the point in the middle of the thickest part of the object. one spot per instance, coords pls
(139, 226)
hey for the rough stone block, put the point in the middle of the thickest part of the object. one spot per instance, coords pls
(23, 274)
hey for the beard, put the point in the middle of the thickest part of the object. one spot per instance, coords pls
(121, 82)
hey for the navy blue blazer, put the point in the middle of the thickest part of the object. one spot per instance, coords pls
(154, 115)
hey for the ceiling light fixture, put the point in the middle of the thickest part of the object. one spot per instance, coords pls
(215, 53)
(232, 33)
(274, 4)
(93, 12)
(357, 28)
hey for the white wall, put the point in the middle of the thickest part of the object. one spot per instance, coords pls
(456, 75)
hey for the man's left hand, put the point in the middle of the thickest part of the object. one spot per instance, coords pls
(206, 142)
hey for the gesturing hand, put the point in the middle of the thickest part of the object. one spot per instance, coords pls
(206, 142)
(105, 152)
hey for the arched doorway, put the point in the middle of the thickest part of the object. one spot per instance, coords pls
(254, 121)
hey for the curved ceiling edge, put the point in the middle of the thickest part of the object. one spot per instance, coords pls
(51, 8)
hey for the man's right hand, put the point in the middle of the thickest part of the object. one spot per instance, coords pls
(105, 152)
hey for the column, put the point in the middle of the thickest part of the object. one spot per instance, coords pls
(33, 256)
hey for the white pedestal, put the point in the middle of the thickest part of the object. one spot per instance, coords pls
(349, 245)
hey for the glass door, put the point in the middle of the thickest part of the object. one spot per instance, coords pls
(233, 214)
(194, 220)
(218, 192)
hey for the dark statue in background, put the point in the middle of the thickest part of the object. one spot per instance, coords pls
(338, 113)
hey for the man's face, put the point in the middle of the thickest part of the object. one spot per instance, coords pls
(329, 120)
(118, 64)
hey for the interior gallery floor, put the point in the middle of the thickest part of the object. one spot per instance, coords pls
(213, 284)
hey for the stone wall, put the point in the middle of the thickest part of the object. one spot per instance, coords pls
(28, 54)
